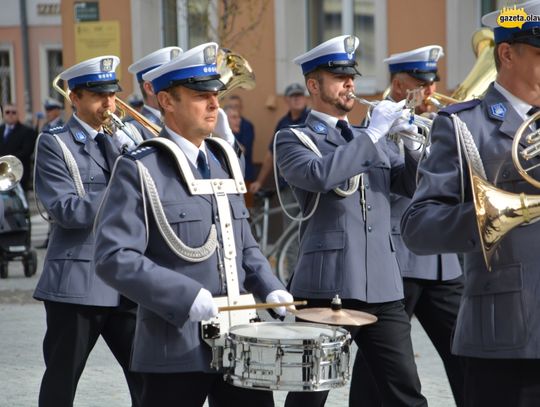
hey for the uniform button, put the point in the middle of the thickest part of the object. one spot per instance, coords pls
(367, 163)
(243, 212)
(369, 207)
(369, 228)
(366, 186)
(394, 229)
(319, 245)
(382, 163)
(68, 254)
(170, 315)
(183, 215)
(216, 218)
(91, 178)
(505, 174)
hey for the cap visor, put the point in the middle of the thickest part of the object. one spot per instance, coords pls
(111, 87)
(212, 85)
(342, 70)
(425, 76)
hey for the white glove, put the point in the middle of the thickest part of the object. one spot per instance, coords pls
(203, 307)
(383, 117)
(402, 125)
(222, 129)
(279, 296)
(123, 141)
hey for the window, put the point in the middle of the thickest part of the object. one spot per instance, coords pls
(5, 77)
(186, 22)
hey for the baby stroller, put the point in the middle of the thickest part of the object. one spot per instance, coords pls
(15, 234)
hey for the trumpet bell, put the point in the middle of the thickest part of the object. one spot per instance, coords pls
(498, 212)
(11, 172)
(235, 71)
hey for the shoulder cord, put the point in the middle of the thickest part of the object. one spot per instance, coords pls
(73, 171)
(191, 254)
(464, 139)
(354, 181)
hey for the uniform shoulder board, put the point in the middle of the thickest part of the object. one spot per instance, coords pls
(459, 107)
(296, 126)
(56, 130)
(141, 152)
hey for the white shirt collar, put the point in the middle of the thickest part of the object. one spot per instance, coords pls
(154, 111)
(519, 105)
(190, 150)
(330, 120)
(91, 131)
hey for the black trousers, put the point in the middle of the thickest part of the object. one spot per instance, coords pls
(191, 389)
(436, 305)
(72, 332)
(388, 352)
(502, 382)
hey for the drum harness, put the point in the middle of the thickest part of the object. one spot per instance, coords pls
(213, 331)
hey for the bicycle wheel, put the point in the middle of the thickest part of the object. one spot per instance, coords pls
(287, 257)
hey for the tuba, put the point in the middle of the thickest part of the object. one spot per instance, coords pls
(480, 76)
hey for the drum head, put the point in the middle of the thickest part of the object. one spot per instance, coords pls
(286, 331)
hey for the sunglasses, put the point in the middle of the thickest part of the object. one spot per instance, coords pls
(10, 112)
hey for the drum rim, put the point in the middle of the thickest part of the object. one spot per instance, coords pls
(341, 334)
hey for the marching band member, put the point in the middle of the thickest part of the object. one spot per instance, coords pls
(174, 275)
(72, 167)
(341, 177)
(432, 284)
(150, 109)
(498, 326)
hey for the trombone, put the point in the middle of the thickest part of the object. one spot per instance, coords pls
(423, 123)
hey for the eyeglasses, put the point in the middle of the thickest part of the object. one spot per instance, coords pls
(10, 112)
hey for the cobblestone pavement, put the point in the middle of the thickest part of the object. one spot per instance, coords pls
(22, 326)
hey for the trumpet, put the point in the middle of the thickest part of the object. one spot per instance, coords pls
(423, 123)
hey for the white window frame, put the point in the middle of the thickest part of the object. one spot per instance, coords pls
(9, 47)
(291, 32)
(43, 69)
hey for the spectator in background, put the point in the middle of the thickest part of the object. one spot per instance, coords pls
(295, 97)
(136, 102)
(235, 123)
(53, 115)
(17, 139)
(245, 136)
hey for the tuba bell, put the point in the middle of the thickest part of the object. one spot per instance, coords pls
(11, 172)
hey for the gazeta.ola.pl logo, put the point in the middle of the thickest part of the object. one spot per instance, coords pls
(511, 17)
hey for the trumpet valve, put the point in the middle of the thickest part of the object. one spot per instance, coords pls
(533, 138)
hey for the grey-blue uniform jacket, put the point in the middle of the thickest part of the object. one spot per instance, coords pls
(68, 270)
(340, 253)
(439, 267)
(498, 316)
(135, 259)
(145, 133)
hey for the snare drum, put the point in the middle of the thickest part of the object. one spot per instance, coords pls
(287, 356)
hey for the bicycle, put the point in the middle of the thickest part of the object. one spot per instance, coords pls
(283, 252)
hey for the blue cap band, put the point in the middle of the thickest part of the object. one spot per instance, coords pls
(426, 66)
(141, 73)
(164, 81)
(95, 77)
(506, 34)
(314, 63)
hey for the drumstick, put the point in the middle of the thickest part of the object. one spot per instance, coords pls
(261, 305)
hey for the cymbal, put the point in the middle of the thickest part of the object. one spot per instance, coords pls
(329, 316)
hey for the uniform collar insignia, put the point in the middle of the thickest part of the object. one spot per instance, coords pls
(80, 136)
(498, 111)
(320, 128)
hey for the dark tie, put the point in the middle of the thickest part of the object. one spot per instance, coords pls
(107, 148)
(346, 131)
(532, 111)
(202, 165)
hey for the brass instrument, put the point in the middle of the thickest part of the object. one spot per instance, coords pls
(11, 172)
(480, 76)
(235, 72)
(423, 123)
(499, 211)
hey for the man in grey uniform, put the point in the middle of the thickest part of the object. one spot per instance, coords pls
(432, 284)
(342, 177)
(498, 326)
(166, 273)
(73, 165)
